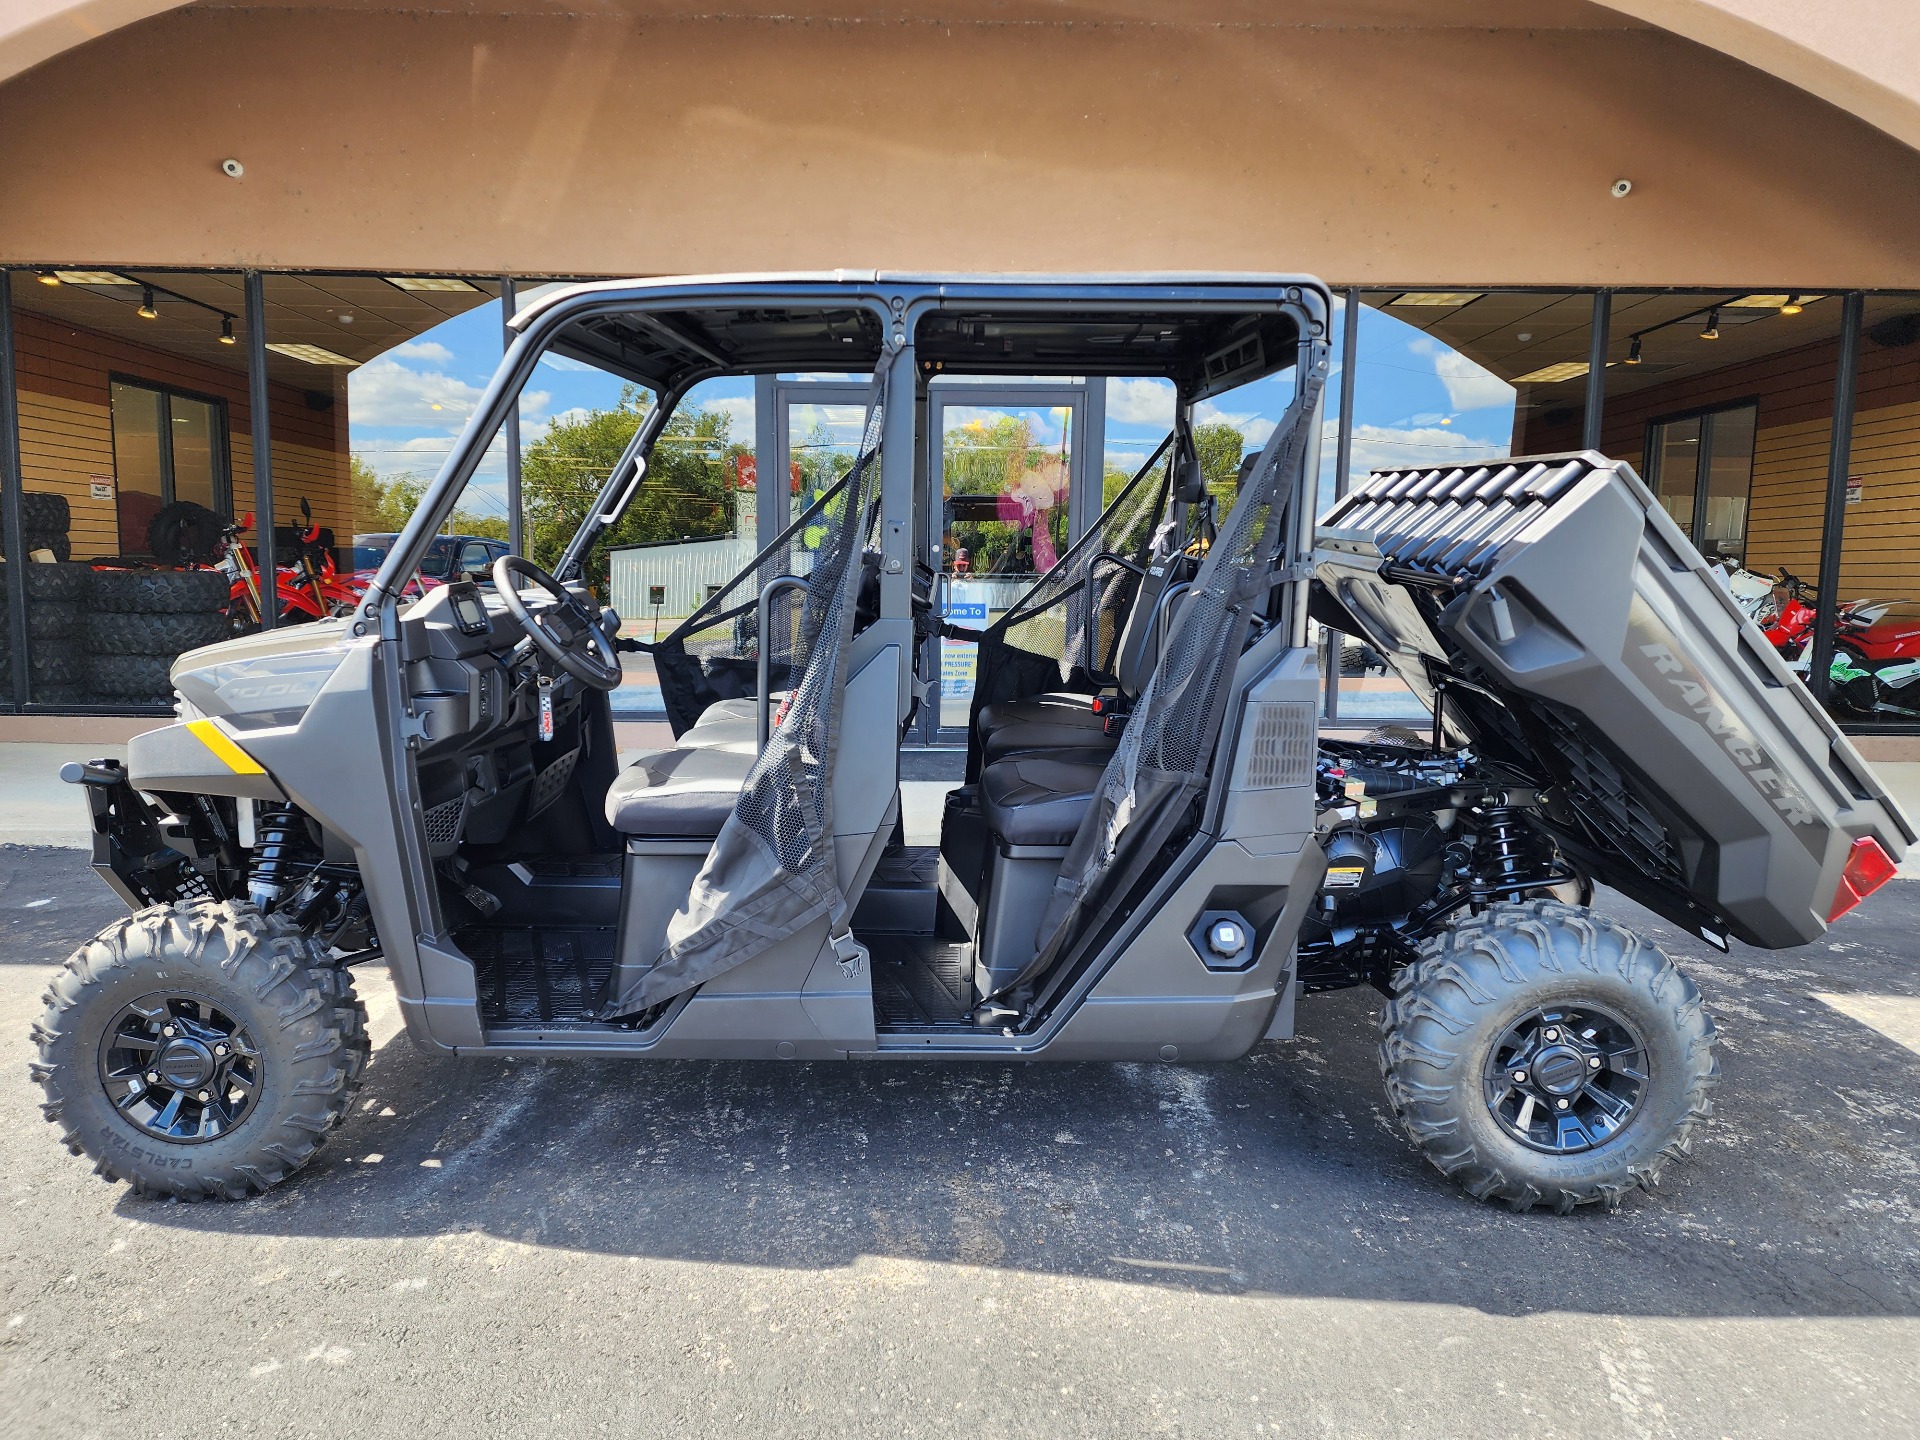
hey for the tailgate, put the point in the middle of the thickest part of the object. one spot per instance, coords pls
(1577, 639)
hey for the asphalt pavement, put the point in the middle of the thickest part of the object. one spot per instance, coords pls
(890, 1250)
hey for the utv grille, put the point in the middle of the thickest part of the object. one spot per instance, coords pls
(1285, 736)
(444, 821)
(1606, 800)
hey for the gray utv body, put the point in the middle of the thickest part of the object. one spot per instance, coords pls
(1133, 905)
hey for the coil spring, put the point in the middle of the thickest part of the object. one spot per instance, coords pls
(1505, 857)
(278, 832)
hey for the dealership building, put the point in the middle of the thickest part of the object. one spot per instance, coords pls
(1685, 233)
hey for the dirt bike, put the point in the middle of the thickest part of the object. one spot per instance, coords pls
(309, 587)
(1876, 660)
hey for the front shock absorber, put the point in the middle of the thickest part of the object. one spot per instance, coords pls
(279, 830)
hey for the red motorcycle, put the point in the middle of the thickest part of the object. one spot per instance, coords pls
(1876, 658)
(1862, 627)
(308, 587)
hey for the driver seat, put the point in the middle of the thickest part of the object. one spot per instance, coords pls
(685, 793)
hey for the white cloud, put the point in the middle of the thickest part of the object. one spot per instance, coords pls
(1141, 402)
(740, 407)
(1469, 386)
(1384, 447)
(385, 392)
(1253, 428)
(422, 350)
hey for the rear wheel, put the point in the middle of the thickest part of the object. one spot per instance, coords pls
(1543, 1054)
(199, 1050)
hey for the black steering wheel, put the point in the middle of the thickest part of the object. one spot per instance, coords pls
(566, 632)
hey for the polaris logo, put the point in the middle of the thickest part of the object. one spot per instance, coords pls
(1667, 671)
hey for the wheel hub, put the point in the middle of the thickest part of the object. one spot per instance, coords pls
(179, 1068)
(1559, 1069)
(185, 1064)
(1566, 1079)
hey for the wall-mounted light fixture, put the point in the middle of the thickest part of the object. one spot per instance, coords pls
(1633, 351)
(1793, 306)
(147, 310)
(226, 330)
(1712, 331)
(47, 277)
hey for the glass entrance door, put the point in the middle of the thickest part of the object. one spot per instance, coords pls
(816, 429)
(1009, 467)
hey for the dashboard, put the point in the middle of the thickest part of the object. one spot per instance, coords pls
(472, 692)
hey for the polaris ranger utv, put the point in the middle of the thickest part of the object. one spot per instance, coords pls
(1153, 856)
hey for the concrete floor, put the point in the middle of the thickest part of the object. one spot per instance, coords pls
(894, 1249)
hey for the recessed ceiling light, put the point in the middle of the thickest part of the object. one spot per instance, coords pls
(1770, 302)
(1438, 299)
(312, 354)
(90, 277)
(429, 282)
(1550, 374)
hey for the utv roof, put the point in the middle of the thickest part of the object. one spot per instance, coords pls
(1206, 332)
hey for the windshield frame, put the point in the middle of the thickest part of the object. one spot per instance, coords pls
(542, 330)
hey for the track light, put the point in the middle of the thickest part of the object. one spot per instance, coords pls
(146, 311)
(226, 330)
(1712, 332)
(1633, 351)
(1793, 306)
(47, 277)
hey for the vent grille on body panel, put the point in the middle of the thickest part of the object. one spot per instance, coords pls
(444, 821)
(1283, 744)
(1450, 523)
(1606, 801)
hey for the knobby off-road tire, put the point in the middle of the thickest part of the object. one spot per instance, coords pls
(45, 511)
(160, 592)
(131, 677)
(54, 582)
(1508, 972)
(271, 993)
(169, 634)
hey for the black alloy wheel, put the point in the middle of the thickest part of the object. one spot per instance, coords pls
(179, 1068)
(1566, 1078)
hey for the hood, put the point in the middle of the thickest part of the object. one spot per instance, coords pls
(260, 680)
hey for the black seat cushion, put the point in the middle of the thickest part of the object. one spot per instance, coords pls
(1021, 736)
(1063, 706)
(683, 793)
(1039, 799)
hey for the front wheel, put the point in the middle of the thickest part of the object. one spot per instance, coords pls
(199, 1050)
(1542, 1054)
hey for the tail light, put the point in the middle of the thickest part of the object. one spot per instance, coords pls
(1868, 868)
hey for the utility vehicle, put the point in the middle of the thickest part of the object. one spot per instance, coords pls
(1154, 854)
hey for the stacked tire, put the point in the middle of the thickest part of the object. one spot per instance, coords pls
(140, 623)
(57, 606)
(44, 522)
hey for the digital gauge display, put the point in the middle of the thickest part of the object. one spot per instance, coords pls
(468, 613)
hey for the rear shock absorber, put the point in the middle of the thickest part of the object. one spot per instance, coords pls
(1506, 859)
(280, 831)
